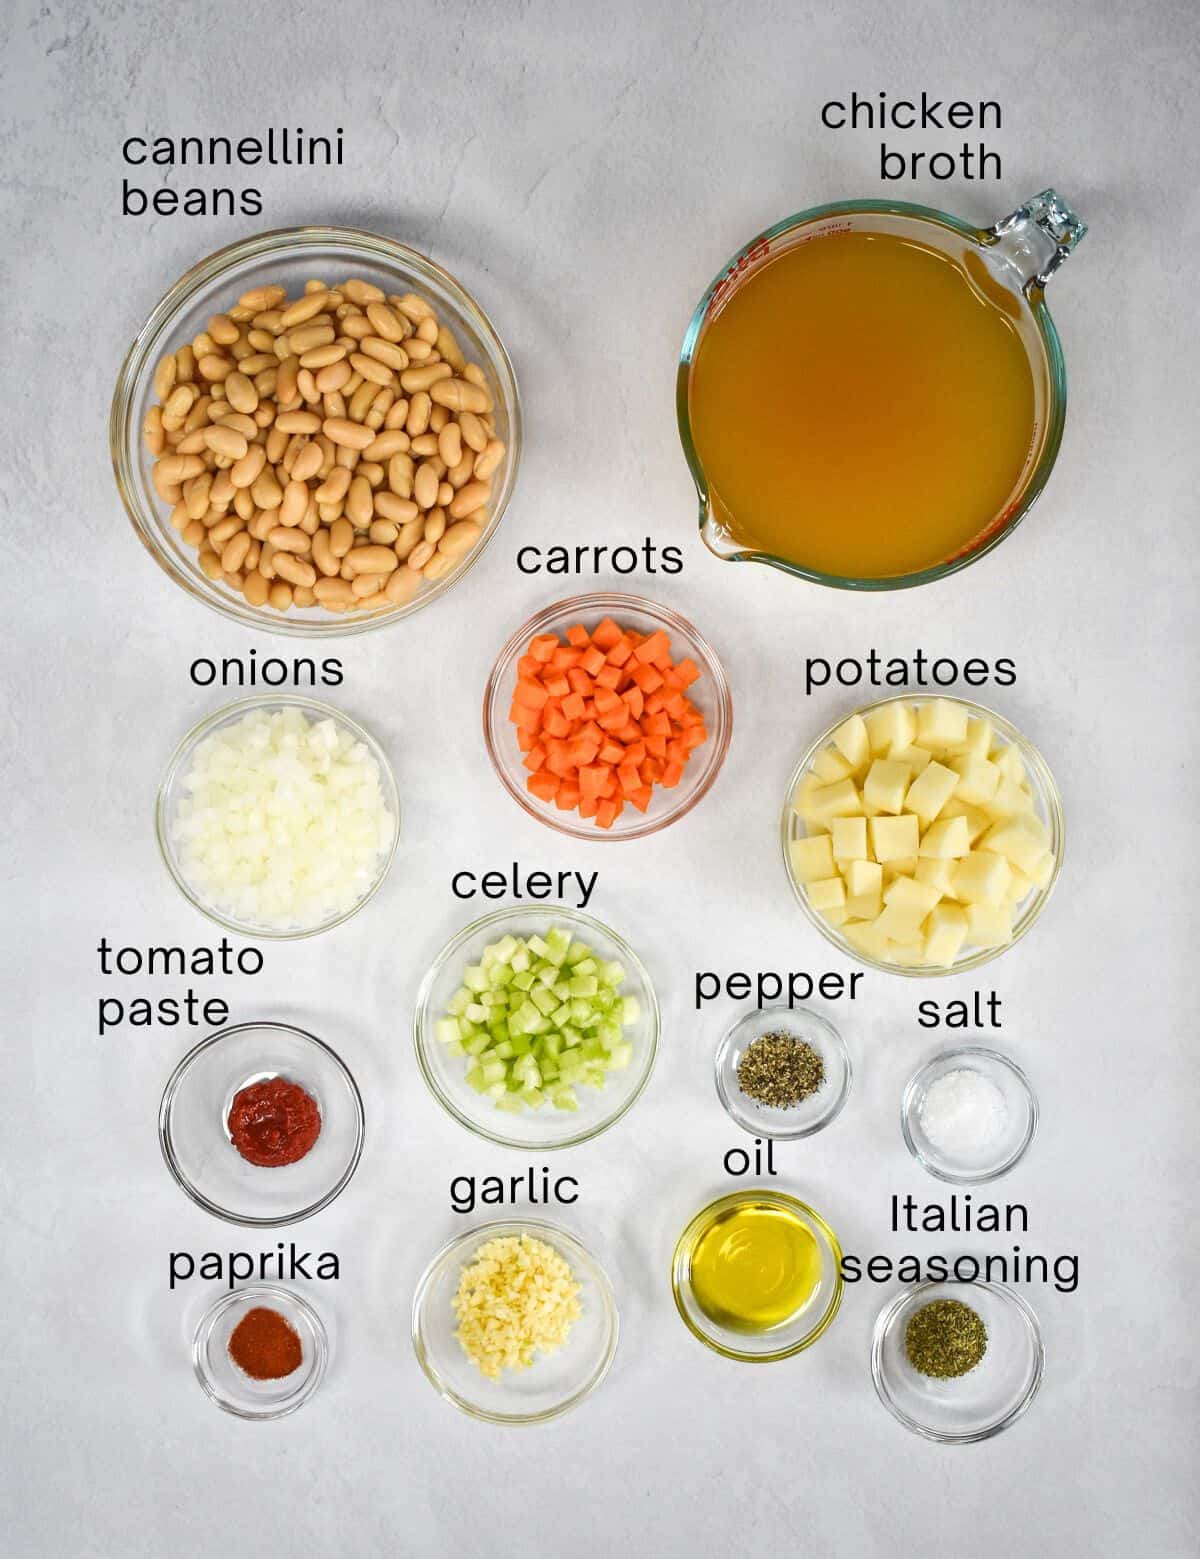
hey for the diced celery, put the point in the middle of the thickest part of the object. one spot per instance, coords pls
(586, 966)
(612, 973)
(474, 978)
(477, 1012)
(446, 1031)
(459, 1002)
(631, 1009)
(619, 1057)
(558, 945)
(537, 946)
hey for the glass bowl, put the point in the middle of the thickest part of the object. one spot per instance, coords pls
(977, 1405)
(232, 1390)
(195, 1140)
(811, 1114)
(1019, 1129)
(172, 791)
(553, 1383)
(780, 1342)
(547, 1127)
(710, 694)
(1047, 803)
(291, 256)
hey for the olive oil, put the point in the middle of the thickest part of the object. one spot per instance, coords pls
(755, 1266)
(863, 406)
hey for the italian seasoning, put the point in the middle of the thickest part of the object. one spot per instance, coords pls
(945, 1339)
(780, 1071)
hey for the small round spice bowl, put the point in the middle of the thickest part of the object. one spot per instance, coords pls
(554, 1382)
(198, 1145)
(269, 1347)
(750, 1089)
(237, 734)
(969, 1115)
(982, 1401)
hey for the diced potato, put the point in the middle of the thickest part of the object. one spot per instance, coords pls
(828, 893)
(978, 779)
(838, 916)
(989, 925)
(1019, 888)
(930, 791)
(908, 893)
(838, 800)
(869, 941)
(829, 766)
(937, 872)
(978, 744)
(941, 724)
(945, 934)
(891, 725)
(908, 954)
(802, 801)
(1010, 800)
(864, 877)
(894, 838)
(978, 822)
(885, 785)
(1043, 869)
(903, 866)
(849, 838)
(946, 839)
(982, 878)
(1010, 763)
(1023, 840)
(812, 858)
(917, 758)
(852, 742)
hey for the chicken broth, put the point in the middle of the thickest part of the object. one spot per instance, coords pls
(863, 406)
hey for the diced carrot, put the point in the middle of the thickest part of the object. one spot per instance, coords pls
(556, 685)
(694, 735)
(525, 718)
(568, 796)
(532, 694)
(636, 700)
(580, 681)
(640, 798)
(656, 746)
(654, 651)
(593, 778)
(590, 732)
(555, 723)
(620, 651)
(611, 752)
(564, 659)
(535, 758)
(544, 786)
(607, 813)
(583, 752)
(655, 702)
(629, 778)
(606, 701)
(528, 667)
(636, 752)
(606, 635)
(587, 806)
(609, 677)
(677, 706)
(672, 774)
(578, 636)
(676, 751)
(647, 679)
(687, 671)
(542, 647)
(572, 707)
(616, 720)
(592, 660)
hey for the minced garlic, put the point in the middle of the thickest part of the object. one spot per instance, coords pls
(517, 1296)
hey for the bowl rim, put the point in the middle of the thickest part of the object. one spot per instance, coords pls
(567, 1244)
(833, 1036)
(123, 436)
(202, 728)
(280, 1293)
(423, 1018)
(792, 1204)
(167, 1149)
(610, 602)
(1008, 1295)
(908, 1101)
(1055, 821)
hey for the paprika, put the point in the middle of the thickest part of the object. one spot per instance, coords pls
(265, 1345)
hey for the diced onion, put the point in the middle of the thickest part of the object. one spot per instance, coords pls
(284, 824)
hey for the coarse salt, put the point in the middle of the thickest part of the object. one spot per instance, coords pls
(963, 1113)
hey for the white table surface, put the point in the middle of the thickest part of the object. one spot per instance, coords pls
(585, 169)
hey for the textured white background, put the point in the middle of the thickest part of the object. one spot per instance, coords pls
(585, 169)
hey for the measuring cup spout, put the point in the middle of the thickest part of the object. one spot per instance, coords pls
(715, 533)
(1037, 237)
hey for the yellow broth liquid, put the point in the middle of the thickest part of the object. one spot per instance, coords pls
(862, 406)
(754, 1267)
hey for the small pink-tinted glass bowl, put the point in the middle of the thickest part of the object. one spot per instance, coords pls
(709, 693)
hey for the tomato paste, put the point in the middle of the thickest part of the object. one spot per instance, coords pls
(274, 1122)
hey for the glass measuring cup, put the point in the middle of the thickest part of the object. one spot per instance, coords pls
(1020, 253)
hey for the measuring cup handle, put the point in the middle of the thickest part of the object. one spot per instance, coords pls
(1039, 235)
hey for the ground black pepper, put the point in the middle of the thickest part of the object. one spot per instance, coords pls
(780, 1071)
